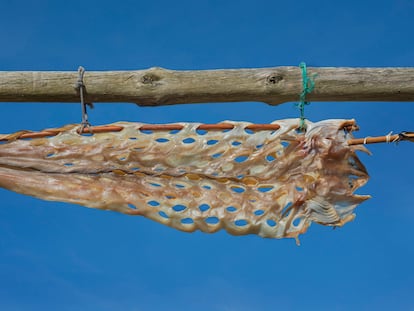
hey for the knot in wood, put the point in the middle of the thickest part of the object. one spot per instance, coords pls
(273, 79)
(149, 78)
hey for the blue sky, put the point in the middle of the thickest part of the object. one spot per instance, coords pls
(56, 256)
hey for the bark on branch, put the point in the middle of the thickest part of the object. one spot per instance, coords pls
(158, 86)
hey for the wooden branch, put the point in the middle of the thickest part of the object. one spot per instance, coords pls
(403, 136)
(158, 86)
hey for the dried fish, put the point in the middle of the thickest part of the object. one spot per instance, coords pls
(273, 183)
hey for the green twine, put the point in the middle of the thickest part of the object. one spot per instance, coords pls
(308, 84)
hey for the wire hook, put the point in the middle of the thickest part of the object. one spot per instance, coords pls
(80, 87)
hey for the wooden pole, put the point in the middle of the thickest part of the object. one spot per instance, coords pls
(158, 86)
(404, 136)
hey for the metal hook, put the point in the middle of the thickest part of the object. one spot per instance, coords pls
(80, 87)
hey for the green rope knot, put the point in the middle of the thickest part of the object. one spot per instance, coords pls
(308, 84)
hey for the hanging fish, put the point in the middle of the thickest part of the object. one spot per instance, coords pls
(273, 183)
